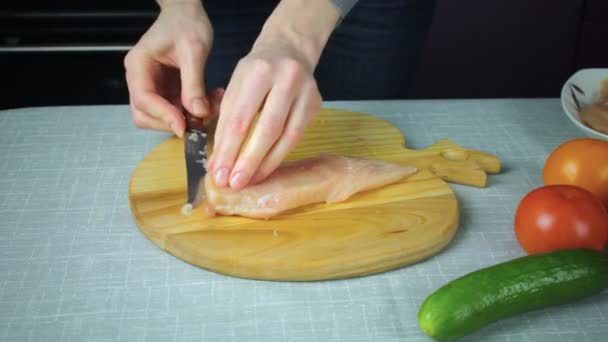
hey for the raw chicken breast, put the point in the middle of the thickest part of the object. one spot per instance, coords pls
(326, 178)
(595, 116)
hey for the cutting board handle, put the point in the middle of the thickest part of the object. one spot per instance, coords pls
(454, 163)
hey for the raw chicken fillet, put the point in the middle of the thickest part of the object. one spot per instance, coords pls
(325, 178)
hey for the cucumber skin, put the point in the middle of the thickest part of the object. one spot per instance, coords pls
(524, 284)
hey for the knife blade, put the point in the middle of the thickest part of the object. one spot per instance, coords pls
(195, 149)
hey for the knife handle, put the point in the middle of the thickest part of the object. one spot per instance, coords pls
(193, 122)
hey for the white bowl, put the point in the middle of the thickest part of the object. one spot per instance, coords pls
(587, 80)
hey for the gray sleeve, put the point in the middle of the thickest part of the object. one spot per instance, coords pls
(344, 6)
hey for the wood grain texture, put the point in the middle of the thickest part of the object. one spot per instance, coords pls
(371, 232)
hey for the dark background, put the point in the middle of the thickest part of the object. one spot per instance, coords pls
(475, 49)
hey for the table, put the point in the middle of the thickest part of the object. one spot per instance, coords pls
(74, 266)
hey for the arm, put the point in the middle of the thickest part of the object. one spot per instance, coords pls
(306, 24)
(345, 5)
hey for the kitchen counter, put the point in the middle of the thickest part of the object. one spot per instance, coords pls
(75, 267)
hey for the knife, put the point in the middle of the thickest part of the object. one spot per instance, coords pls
(195, 148)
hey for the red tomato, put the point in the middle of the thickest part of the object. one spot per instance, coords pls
(581, 162)
(555, 217)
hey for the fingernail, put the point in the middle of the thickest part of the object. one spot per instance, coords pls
(238, 180)
(173, 126)
(198, 106)
(221, 177)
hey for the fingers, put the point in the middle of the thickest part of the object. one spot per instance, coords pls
(192, 57)
(238, 110)
(147, 104)
(266, 132)
(143, 120)
(145, 101)
(304, 110)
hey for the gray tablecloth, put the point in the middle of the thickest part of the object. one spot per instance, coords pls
(74, 266)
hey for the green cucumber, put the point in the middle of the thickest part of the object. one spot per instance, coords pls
(532, 282)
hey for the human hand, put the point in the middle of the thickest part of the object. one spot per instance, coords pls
(275, 80)
(165, 69)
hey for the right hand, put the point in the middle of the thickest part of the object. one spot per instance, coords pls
(165, 69)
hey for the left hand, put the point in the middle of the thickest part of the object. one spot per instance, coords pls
(275, 78)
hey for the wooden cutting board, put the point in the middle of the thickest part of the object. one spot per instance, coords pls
(371, 232)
